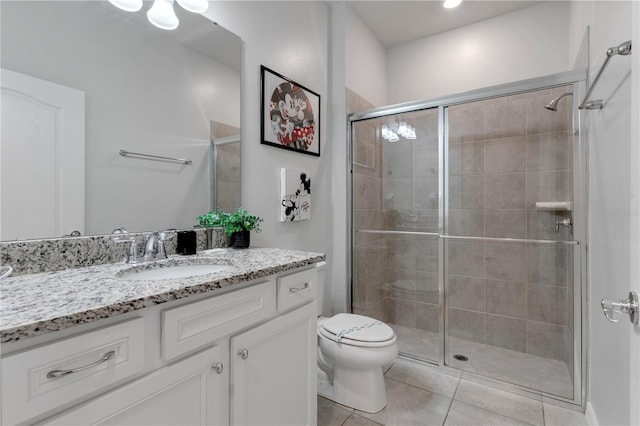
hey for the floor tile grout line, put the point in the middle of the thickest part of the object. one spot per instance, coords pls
(451, 403)
(500, 414)
(496, 413)
(423, 389)
(358, 415)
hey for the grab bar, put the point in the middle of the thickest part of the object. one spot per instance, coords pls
(156, 157)
(622, 49)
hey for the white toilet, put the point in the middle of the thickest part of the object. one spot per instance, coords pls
(352, 349)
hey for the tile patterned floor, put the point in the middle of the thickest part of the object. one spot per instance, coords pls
(534, 372)
(420, 394)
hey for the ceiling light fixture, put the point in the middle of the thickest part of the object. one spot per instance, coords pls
(127, 5)
(161, 13)
(194, 6)
(450, 4)
(393, 131)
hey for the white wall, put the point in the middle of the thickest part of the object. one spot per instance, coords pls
(613, 154)
(634, 234)
(339, 206)
(528, 43)
(291, 38)
(358, 61)
(366, 61)
(144, 93)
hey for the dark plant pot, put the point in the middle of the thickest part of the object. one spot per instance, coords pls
(241, 239)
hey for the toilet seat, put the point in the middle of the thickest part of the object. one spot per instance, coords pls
(357, 330)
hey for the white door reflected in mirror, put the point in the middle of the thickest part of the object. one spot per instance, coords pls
(42, 154)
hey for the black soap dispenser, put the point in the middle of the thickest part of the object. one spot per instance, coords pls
(187, 242)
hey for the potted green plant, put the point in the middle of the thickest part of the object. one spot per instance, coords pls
(210, 220)
(237, 225)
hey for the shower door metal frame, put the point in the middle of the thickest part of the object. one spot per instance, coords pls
(577, 78)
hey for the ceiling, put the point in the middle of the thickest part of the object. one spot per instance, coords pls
(399, 22)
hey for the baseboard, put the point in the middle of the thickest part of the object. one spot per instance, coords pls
(592, 420)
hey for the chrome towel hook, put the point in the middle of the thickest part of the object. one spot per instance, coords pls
(613, 310)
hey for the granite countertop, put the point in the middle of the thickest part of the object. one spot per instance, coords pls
(36, 304)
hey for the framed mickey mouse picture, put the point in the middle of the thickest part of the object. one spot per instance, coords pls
(290, 114)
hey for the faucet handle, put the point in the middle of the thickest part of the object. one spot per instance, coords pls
(168, 237)
(161, 252)
(132, 255)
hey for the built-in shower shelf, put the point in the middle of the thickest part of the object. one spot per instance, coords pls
(554, 205)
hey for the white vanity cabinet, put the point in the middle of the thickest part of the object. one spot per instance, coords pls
(189, 392)
(245, 356)
(273, 371)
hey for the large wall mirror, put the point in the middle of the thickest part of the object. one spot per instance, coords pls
(82, 81)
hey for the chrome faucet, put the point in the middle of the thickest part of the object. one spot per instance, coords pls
(154, 247)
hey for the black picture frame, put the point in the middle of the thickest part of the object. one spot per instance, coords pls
(290, 114)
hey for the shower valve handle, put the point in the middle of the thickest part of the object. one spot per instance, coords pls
(566, 223)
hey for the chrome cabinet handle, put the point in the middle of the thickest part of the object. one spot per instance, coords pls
(218, 367)
(59, 373)
(297, 289)
(244, 354)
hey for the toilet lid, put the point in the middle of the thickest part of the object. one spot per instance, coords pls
(358, 328)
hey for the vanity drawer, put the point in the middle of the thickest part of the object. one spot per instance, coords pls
(296, 289)
(198, 324)
(46, 377)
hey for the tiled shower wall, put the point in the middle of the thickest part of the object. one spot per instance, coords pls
(506, 154)
(368, 292)
(410, 203)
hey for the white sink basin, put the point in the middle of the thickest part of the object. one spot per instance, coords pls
(171, 271)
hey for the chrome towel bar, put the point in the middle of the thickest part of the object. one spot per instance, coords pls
(462, 237)
(622, 49)
(154, 157)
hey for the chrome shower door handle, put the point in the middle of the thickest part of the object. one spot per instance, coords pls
(613, 309)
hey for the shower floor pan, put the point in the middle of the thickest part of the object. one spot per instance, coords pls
(536, 373)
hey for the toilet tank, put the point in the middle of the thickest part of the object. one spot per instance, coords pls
(320, 286)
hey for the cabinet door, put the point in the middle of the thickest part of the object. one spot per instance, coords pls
(273, 371)
(189, 392)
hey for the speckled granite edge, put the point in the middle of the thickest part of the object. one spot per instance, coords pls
(81, 296)
(57, 254)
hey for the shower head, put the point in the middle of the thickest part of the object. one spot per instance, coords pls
(553, 105)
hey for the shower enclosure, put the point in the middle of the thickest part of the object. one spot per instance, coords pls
(468, 224)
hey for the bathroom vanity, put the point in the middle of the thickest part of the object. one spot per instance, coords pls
(115, 344)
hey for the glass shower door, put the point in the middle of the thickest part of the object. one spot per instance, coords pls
(395, 260)
(509, 270)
